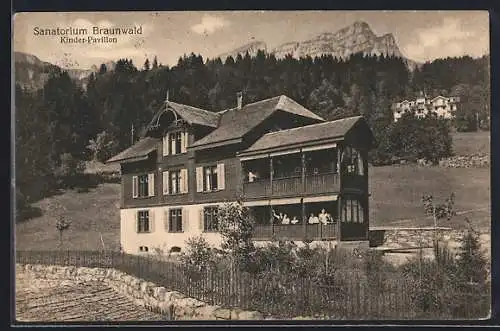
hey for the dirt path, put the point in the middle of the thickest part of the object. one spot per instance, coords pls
(42, 300)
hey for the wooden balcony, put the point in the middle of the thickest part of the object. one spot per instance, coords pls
(296, 232)
(292, 186)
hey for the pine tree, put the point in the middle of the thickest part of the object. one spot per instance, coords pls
(146, 65)
(155, 63)
(471, 263)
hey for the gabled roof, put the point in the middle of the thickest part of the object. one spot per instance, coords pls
(235, 123)
(321, 132)
(190, 114)
(137, 152)
(439, 97)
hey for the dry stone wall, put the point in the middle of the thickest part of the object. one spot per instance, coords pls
(155, 298)
(469, 161)
(423, 237)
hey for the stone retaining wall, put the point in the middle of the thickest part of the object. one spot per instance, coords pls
(413, 238)
(172, 304)
(470, 161)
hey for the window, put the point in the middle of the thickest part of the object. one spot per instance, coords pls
(210, 178)
(175, 183)
(352, 211)
(175, 143)
(143, 248)
(143, 186)
(175, 220)
(143, 221)
(352, 161)
(210, 219)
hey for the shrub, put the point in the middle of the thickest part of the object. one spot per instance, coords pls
(235, 225)
(198, 258)
(472, 265)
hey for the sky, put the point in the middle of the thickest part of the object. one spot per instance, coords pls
(421, 35)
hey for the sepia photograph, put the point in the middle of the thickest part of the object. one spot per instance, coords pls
(251, 166)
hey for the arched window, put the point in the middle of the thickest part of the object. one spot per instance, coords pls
(352, 161)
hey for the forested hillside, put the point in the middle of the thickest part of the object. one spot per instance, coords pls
(55, 124)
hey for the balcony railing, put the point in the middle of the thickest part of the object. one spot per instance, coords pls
(296, 232)
(292, 186)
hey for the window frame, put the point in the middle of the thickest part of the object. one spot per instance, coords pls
(211, 177)
(145, 221)
(175, 215)
(140, 186)
(177, 174)
(210, 211)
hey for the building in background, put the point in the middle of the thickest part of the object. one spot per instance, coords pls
(443, 107)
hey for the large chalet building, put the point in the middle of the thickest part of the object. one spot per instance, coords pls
(443, 107)
(289, 166)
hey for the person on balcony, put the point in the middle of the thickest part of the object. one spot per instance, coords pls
(313, 219)
(252, 176)
(294, 220)
(323, 217)
(285, 219)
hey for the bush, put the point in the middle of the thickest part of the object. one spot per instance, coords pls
(198, 258)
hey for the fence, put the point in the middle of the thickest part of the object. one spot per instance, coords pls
(353, 295)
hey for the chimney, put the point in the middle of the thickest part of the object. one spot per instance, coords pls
(239, 97)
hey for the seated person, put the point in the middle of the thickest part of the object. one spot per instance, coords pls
(285, 219)
(313, 219)
(294, 220)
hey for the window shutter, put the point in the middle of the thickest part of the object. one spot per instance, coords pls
(202, 219)
(183, 142)
(184, 181)
(221, 181)
(151, 215)
(165, 183)
(186, 140)
(165, 145)
(166, 223)
(185, 219)
(172, 145)
(135, 186)
(137, 222)
(199, 179)
(151, 184)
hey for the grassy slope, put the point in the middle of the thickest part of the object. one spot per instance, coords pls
(93, 213)
(396, 200)
(467, 143)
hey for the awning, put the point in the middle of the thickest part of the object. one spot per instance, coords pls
(137, 152)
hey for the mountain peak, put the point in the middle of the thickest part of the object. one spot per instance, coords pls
(251, 48)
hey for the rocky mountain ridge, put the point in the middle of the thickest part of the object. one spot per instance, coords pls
(355, 38)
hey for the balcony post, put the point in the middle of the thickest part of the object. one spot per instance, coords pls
(304, 221)
(339, 199)
(271, 171)
(303, 172)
